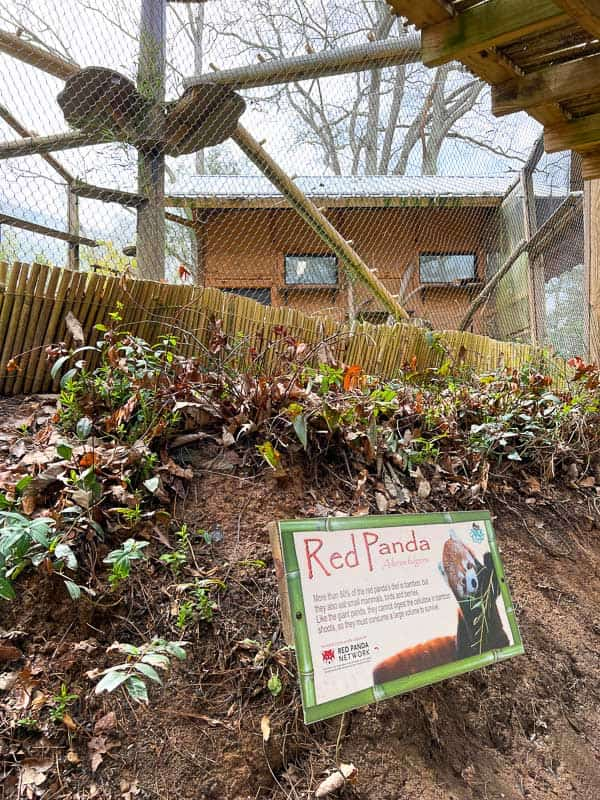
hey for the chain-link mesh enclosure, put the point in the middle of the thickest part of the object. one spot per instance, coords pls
(362, 185)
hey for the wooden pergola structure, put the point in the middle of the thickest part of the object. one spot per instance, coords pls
(542, 57)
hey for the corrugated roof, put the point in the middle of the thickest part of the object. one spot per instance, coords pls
(381, 190)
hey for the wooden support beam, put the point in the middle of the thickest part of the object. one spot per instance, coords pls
(554, 84)
(590, 164)
(585, 12)
(423, 13)
(535, 282)
(102, 193)
(579, 134)
(37, 145)
(317, 65)
(34, 227)
(591, 227)
(551, 228)
(317, 221)
(17, 126)
(537, 151)
(487, 25)
(555, 224)
(188, 223)
(151, 235)
(14, 46)
(73, 226)
(491, 285)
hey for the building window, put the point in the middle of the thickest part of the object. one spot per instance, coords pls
(260, 295)
(311, 270)
(374, 317)
(447, 267)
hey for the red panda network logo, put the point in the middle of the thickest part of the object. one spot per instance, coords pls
(328, 655)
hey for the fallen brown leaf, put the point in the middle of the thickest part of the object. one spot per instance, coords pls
(34, 771)
(265, 727)
(106, 723)
(9, 652)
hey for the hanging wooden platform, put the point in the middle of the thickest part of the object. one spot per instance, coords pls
(541, 56)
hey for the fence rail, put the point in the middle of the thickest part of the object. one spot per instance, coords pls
(35, 300)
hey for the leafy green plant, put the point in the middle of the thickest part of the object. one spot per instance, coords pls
(274, 684)
(30, 724)
(178, 558)
(142, 664)
(28, 542)
(15, 500)
(175, 560)
(205, 606)
(131, 516)
(201, 605)
(61, 703)
(123, 397)
(185, 614)
(122, 560)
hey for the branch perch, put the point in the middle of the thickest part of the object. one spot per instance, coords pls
(337, 61)
(317, 221)
(491, 285)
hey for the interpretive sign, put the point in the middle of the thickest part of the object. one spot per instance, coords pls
(378, 606)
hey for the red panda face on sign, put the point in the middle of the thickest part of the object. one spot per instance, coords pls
(460, 568)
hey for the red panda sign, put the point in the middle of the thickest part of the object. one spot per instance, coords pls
(378, 606)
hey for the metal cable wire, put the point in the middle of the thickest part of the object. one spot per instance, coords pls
(430, 191)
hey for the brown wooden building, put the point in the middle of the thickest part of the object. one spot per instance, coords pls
(431, 240)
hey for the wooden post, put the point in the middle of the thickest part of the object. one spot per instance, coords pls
(151, 233)
(200, 220)
(317, 221)
(73, 226)
(591, 219)
(536, 281)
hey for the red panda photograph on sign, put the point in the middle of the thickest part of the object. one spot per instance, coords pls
(383, 608)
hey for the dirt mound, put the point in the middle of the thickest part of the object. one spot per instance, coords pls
(527, 728)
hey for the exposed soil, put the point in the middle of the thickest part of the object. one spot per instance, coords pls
(526, 728)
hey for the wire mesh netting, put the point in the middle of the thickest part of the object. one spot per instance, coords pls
(123, 151)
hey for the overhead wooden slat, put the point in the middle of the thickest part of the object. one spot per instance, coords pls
(554, 84)
(486, 25)
(547, 45)
(583, 106)
(530, 62)
(579, 134)
(586, 12)
(541, 56)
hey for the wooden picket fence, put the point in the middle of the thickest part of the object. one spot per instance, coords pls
(35, 300)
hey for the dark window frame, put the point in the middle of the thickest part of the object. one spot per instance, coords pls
(329, 256)
(246, 291)
(452, 281)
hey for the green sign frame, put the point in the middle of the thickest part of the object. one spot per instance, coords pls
(296, 625)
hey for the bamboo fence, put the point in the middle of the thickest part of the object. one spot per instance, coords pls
(35, 300)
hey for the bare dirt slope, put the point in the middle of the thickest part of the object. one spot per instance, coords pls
(527, 728)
